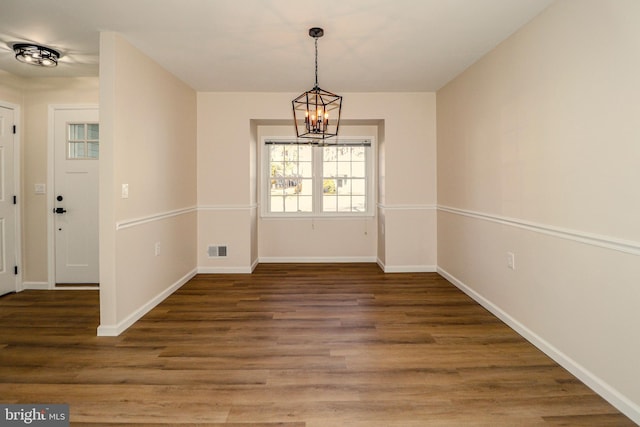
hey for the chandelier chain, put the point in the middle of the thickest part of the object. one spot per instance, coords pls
(316, 40)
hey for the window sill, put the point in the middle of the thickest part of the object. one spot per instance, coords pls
(315, 217)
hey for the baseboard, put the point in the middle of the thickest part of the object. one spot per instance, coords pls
(115, 330)
(622, 403)
(407, 268)
(319, 260)
(410, 269)
(225, 270)
(40, 286)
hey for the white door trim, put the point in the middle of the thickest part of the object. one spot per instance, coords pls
(51, 249)
(17, 138)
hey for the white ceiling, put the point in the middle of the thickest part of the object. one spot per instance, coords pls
(263, 45)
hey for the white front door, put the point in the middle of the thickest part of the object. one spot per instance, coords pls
(76, 153)
(7, 206)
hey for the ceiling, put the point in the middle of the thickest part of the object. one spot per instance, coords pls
(264, 46)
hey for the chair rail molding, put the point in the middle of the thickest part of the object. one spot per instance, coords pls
(608, 242)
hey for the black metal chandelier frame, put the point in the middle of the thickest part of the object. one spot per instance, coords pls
(316, 113)
(36, 55)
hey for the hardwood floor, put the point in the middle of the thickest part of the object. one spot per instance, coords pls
(292, 346)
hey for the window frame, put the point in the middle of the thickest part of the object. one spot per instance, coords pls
(85, 141)
(317, 179)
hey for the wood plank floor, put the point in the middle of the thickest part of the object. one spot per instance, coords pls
(292, 346)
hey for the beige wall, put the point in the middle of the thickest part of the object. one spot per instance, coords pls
(34, 96)
(11, 88)
(148, 120)
(227, 198)
(538, 155)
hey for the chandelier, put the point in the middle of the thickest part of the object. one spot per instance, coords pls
(36, 55)
(316, 113)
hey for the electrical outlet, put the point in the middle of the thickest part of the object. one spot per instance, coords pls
(511, 260)
(157, 249)
(125, 191)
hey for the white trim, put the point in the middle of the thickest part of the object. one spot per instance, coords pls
(410, 269)
(225, 270)
(227, 207)
(406, 268)
(35, 286)
(407, 207)
(318, 260)
(128, 223)
(276, 260)
(610, 394)
(315, 218)
(51, 109)
(115, 330)
(44, 286)
(626, 246)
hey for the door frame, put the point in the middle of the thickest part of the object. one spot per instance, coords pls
(17, 173)
(51, 250)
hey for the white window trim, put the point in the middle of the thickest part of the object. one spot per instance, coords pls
(317, 182)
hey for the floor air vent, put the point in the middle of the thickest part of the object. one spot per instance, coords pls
(217, 251)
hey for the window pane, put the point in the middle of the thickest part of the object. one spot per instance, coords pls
(83, 141)
(291, 178)
(276, 152)
(93, 150)
(305, 204)
(329, 186)
(306, 187)
(298, 204)
(291, 153)
(330, 169)
(93, 131)
(277, 204)
(358, 187)
(344, 154)
(305, 169)
(344, 169)
(357, 154)
(344, 203)
(76, 150)
(304, 154)
(329, 203)
(76, 132)
(330, 154)
(344, 186)
(358, 169)
(358, 204)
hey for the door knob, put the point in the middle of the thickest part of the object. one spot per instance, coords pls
(59, 210)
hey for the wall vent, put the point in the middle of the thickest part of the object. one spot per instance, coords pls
(217, 251)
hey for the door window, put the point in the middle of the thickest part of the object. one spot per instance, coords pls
(83, 141)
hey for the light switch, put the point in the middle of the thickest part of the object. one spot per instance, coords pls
(40, 188)
(511, 260)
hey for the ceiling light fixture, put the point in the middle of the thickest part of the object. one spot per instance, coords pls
(316, 113)
(36, 55)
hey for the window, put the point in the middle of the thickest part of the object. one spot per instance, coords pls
(83, 141)
(303, 179)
